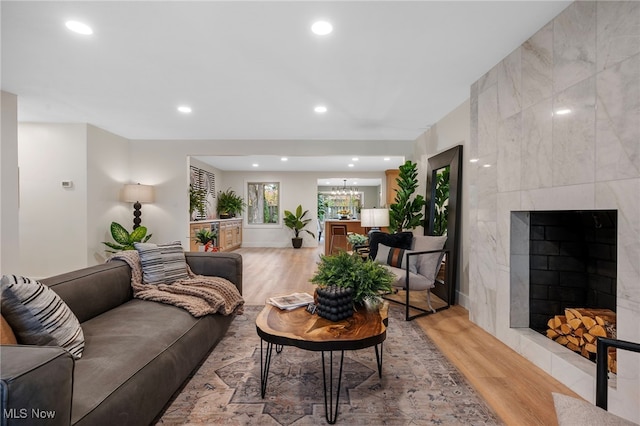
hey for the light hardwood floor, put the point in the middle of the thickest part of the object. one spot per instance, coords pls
(518, 391)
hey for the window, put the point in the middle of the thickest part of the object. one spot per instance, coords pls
(263, 203)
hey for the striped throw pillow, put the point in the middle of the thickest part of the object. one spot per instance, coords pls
(396, 257)
(39, 316)
(162, 263)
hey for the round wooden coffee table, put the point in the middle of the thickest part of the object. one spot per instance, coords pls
(301, 329)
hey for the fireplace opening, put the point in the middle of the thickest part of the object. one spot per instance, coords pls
(572, 263)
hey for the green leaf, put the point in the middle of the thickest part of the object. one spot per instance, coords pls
(113, 245)
(138, 234)
(119, 234)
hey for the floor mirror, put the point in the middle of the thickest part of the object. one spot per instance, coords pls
(443, 211)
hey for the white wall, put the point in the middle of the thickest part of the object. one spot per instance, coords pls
(108, 166)
(164, 163)
(451, 130)
(53, 219)
(9, 183)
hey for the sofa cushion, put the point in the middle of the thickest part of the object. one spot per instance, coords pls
(39, 316)
(402, 240)
(162, 263)
(428, 263)
(396, 257)
(416, 281)
(139, 353)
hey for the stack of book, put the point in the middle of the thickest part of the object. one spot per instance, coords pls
(291, 301)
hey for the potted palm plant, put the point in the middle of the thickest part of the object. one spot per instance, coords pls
(297, 222)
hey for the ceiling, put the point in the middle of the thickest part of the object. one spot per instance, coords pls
(329, 166)
(253, 70)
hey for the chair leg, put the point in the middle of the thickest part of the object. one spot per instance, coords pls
(429, 301)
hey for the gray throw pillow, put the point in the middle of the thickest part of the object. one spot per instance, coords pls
(38, 316)
(162, 263)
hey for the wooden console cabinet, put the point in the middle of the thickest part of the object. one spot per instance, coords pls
(229, 232)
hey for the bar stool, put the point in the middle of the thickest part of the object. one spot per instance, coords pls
(339, 232)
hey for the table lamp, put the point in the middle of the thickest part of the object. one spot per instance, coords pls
(137, 194)
(374, 218)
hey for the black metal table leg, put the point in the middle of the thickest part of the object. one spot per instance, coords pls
(331, 413)
(264, 366)
(279, 348)
(379, 359)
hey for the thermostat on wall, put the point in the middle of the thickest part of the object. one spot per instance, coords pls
(67, 184)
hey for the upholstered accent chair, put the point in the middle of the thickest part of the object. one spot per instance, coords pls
(415, 260)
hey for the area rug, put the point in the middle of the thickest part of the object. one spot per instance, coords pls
(419, 386)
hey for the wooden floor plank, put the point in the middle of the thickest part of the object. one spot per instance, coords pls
(517, 390)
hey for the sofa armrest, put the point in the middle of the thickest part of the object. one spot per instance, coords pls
(216, 264)
(36, 385)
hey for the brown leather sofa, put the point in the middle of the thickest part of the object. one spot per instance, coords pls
(137, 353)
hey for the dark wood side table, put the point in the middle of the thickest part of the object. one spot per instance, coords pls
(301, 329)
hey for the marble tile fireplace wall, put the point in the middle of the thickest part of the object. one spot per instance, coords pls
(532, 156)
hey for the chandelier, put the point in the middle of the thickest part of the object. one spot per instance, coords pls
(344, 190)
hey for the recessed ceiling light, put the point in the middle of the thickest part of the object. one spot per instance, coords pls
(563, 111)
(486, 165)
(284, 159)
(254, 165)
(321, 28)
(387, 159)
(474, 160)
(355, 159)
(350, 165)
(184, 109)
(79, 27)
(320, 109)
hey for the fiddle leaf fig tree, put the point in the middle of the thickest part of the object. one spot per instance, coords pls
(406, 212)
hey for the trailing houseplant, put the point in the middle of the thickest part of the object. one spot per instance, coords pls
(230, 204)
(125, 240)
(197, 201)
(297, 223)
(405, 212)
(368, 279)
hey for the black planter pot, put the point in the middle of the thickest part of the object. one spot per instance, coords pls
(296, 242)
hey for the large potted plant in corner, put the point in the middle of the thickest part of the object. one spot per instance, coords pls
(229, 204)
(368, 278)
(406, 213)
(297, 222)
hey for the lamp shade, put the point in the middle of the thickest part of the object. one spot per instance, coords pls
(374, 218)
(140, 193)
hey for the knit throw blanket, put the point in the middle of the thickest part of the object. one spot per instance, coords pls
(200, 295)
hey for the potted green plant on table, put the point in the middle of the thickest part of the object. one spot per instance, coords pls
(230, 204)
(297, 222)
(205, 238)
(125, 240)
(405, 212)
(368, 279)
